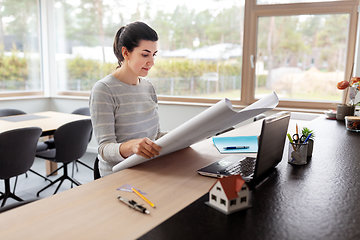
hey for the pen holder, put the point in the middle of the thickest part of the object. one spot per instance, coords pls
(298, 153)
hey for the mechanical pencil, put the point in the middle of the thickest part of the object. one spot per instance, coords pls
(132, 204)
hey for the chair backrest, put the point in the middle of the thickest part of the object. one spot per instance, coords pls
(82, 111)
(71, 140)
(10, 112)
(17, 151)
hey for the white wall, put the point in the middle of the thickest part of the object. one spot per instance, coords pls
(27, 105)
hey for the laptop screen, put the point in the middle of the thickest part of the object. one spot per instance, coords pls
(271, 143)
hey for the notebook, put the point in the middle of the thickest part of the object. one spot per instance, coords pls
(270, 151)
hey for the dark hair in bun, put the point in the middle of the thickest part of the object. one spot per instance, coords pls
(129, 36)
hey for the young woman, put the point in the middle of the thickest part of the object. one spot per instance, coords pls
(123, 106)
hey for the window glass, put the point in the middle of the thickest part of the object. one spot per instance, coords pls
(200, 44)
(19, 46)
(301, 57)
(290, 1)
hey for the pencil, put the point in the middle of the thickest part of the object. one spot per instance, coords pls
(297, 130)
(144, 198)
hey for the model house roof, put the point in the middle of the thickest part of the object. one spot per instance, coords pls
(231, 185)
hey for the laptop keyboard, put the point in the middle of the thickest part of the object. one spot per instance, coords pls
(245, 167)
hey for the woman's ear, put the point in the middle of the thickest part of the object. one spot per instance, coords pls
(125, 53)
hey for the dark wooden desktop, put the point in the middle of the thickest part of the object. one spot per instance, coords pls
(320, 200)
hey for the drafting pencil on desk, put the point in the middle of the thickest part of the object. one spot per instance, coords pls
(144, 198)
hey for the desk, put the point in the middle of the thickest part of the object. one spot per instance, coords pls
(48, 121)
(315, 201)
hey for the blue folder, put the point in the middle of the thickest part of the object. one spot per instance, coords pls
(222, 142)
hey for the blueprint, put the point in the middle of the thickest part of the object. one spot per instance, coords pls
(215, 119)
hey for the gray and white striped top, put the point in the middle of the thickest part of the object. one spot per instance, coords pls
(121, 112)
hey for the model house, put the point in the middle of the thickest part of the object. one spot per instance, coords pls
(229, 194)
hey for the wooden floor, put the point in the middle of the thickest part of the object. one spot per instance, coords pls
(27, 187)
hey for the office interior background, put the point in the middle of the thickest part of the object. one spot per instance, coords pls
(53, 51)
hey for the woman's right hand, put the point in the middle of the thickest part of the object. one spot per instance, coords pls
(143, 147)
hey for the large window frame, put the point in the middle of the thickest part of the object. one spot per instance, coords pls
(252, 13)
(34, 93)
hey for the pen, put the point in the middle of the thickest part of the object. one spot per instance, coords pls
(237, 147)
(144, 198)
(307, 139)
(133, 204)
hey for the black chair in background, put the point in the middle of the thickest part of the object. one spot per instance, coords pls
(17, 155)
(7, 112)
(96, 169)
(71, 143)
(50, 144)
(86, 112)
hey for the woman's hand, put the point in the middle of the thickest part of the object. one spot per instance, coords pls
(143, 147)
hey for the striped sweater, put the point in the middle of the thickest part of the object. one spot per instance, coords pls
(121, 112)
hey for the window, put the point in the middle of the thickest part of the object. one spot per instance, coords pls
(301, 57)
(213, 197)
(232, 202)
(208, 50)
(243, 188)
(205, 62)
(84, 36)
(243, 199)
(19, 48)
(200, 57)
(290, 1)
(301, 51)
(218, 188)
(222, 201)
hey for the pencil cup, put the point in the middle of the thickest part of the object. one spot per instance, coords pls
(298, 153)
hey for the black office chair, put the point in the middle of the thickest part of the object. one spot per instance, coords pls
(10, 112)
(96, 169)
(7, 112)
(86, 112)
(50, 144)
(71, 142)
(17, 155)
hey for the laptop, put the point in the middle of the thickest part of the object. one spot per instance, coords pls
(270, 151)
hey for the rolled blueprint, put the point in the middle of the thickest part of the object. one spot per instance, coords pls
(215, 119)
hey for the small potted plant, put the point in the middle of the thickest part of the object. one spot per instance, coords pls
(306, 132)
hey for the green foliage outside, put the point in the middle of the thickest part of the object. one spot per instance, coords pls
(83, 73)
(170, 76)
(185, 77)
(15, 70)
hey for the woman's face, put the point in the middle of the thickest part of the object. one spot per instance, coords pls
(142, 58)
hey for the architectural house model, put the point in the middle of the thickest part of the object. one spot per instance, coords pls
(229, 194)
